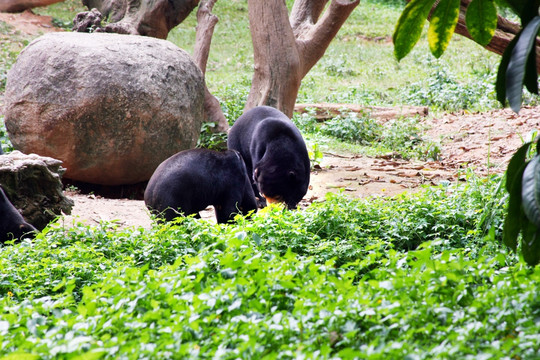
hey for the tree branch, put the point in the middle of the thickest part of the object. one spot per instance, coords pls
(206, 21)
(505, 32)
(305, 13)
(313, 44)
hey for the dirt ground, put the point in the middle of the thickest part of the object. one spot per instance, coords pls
(482, 141)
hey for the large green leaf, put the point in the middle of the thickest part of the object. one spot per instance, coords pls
(515, 73)
(528, 9)
(409, 26)
(513, 221)
(481, 20)
(442, 24)
(516, 163)
(530, 191)
(530, 244)
(531, 73)
(500, 84)
(514, 176)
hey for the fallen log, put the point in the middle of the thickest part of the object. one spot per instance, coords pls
(326, 111)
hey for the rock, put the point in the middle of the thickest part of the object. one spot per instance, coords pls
(33, 184)
(111, 107)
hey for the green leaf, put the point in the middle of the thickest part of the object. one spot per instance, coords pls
(409, 26)
(500, 84)
(481, 20)
(531, 74)
(516, 163)
(530, 244)
(530, 191)
(513, 220)
(20, 356)
(515, 73)
(528, 9)
(442, 24)
(91, 355)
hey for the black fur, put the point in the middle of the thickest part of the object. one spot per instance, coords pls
(275, 154)
(12, 224)
(190, 180)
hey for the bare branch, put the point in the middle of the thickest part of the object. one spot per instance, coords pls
(206, 21)
(305, 13)
(315, 42)
(505, 32)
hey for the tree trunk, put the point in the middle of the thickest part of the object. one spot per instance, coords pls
(206, 21)
(153, 18)
(285, 49)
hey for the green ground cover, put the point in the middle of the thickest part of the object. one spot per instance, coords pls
(418, 276)
(415, 277)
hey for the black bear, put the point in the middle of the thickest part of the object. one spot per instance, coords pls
(275, 155)
(190, 180)
(12, 224)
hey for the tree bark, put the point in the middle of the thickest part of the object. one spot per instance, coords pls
(153, 18)
(286, 48)
(206, 21)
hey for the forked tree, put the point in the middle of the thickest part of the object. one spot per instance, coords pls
(285, 46)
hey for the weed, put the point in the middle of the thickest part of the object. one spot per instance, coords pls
(331, 281)
(401, 136)
(352, 127)
(441, 90)
(211, 140)
(315, 155)
(5, 143)
(233, 100)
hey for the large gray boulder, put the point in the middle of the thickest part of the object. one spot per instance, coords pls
(34, 186)
(111, 107)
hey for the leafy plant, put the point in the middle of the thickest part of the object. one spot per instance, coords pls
(441, 90)
(5, 143)
(315, 155)
(372, 278)
(517, 69)
(352, 127)
(401, 136)
(211, 140)
(233, 100)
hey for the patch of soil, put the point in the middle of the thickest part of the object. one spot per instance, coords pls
(28, 23)
(483, 142)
